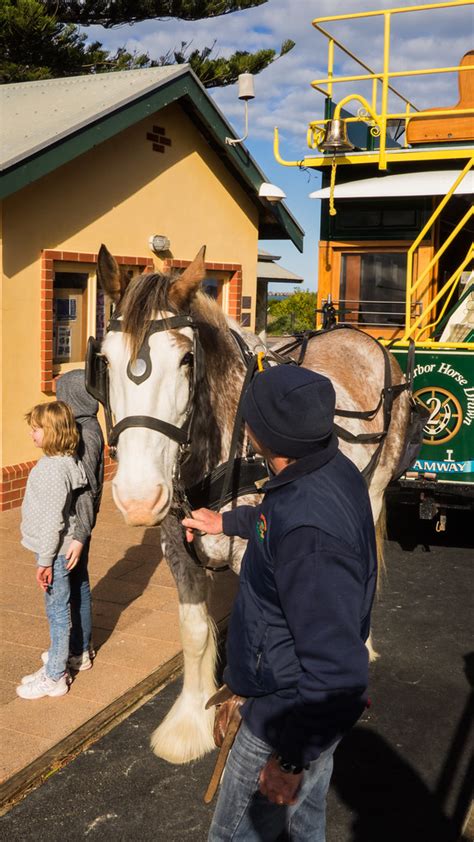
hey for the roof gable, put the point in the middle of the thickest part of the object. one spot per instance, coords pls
(48, 123)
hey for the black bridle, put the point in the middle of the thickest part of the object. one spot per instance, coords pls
(138, 371)
(235, 477)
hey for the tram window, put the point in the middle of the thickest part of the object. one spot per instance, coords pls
(373, 287)
(399, 218)
(364, 218)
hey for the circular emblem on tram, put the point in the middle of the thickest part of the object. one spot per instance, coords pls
(445, 414)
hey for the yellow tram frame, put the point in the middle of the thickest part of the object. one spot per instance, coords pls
(417, 325)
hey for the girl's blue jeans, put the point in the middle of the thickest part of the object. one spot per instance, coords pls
(81, 605)
(68, 609)
(244, 815)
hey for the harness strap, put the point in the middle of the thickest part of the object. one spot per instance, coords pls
(244, 478)
(387, 396)
(179, 434)
(251, 366)
(244, 349)
(230, 472)
(360, 438)
(157, 325)
(369, 414)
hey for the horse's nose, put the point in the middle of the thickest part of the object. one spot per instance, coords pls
(143, 512)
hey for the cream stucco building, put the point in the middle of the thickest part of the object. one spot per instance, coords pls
(114, 158)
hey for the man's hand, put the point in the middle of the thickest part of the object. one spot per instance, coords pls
(44, 577)
(204, 521)
(278, 786)
(73, 554)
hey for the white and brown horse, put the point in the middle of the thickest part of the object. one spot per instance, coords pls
(150, 353)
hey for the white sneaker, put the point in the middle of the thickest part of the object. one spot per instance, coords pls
(31, 677)
(78, 663)
(43, 686)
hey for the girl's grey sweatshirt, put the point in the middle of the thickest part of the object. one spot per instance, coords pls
(48, 519)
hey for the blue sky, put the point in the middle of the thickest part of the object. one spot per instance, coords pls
(284, 96)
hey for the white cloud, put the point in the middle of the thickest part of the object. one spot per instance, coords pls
(284, 96)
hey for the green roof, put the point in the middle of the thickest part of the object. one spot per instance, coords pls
(48, 123)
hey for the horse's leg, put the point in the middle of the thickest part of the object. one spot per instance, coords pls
(186, 733)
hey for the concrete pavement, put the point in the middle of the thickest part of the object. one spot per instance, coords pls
(136, 636)
(401, 775)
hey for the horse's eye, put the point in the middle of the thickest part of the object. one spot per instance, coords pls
(187, 359)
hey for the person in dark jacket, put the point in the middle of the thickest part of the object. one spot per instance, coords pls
(71, 389)
(296, 640)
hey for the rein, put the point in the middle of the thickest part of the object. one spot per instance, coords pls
(230, 479)
(237, 476)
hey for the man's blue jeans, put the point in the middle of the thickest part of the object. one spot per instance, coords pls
(81, 605)
(244, 815)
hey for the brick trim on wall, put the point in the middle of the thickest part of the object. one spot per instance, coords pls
(48, 258)
(235, 282)
(13, 485)
(14, 477)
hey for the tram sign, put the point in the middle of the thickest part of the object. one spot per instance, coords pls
(443, 381)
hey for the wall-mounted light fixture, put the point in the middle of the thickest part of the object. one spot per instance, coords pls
(246, 92)
(158, 242)
(271, 192)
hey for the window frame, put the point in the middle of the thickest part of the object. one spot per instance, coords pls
(330, 264)
(64, 261)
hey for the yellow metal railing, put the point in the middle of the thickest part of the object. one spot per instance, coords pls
(450, 285)
(414, 285)
(376, 118)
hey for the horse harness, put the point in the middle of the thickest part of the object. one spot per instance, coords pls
(238, 476)
(228, 481)
(388, 393)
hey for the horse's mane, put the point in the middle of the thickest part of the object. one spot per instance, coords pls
(145, 298)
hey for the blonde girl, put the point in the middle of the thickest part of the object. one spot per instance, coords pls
(47, 529)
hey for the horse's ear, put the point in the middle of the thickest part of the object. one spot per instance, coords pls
(187, 284)
(112, 279)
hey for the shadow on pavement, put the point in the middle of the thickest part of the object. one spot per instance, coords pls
(126, 581)
(405, 527)
(387, 796)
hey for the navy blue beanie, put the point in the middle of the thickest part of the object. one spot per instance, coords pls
(290, 410)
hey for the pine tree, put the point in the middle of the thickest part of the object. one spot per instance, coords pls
(42, 39)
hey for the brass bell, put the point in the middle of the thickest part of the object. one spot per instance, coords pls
(335, 138)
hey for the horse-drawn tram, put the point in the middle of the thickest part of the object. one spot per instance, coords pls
(396, 249)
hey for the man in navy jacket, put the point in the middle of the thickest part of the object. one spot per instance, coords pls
(296, 640)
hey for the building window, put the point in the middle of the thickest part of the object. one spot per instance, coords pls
(73, 308)
(80, 310)
(212, 287)
(223, 282)
(372, 287)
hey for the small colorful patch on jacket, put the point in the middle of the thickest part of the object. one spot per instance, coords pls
(261, 527)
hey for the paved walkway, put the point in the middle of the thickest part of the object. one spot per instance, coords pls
(136, 636)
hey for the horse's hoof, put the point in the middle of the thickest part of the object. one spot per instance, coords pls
(185, 734)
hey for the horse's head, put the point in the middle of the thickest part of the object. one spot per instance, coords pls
(149, 353)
